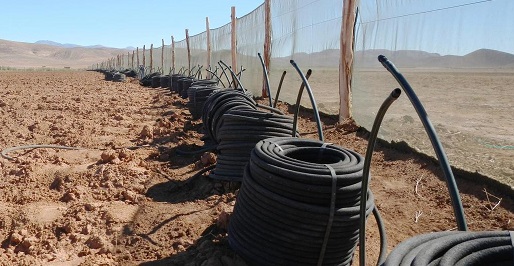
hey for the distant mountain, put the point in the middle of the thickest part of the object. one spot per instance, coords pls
(483, 58)
(68, 45)
(19, 54)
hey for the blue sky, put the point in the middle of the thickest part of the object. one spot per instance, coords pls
(114, 23)
(454, 27)
(442, 26)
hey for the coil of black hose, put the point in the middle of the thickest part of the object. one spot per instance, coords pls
(118, 77)
(237, 135)
(174, 82)
(220, 102)
(164, 81)
(156, 81)
(455, 248)
(298, 204)
(184, 84)
(108, 75)
(146, 81)
(197, 95)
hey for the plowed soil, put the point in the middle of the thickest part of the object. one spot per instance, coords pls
(127, 198)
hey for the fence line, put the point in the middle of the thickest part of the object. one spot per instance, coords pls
(455, 54)
(238, 42)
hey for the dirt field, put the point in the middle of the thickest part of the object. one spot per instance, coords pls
(113, 203)
(470, 109)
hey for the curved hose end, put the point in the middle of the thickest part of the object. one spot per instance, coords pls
(396, 93)
(382, 58)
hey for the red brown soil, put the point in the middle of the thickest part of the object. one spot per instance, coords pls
(108, 204)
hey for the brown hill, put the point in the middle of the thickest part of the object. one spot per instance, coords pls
(483, 58)
(29, 55)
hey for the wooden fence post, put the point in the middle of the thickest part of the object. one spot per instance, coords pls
(137, 57)
(151, 57)
(144, 57)
(267, 43)
(188, 51)
(208, 32)
(173, 54)
(234, 42)
(346, 59)
(132, 64)
(162, 57)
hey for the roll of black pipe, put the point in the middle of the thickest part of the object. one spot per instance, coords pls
(108, 75)
(197, 95)
(184, 84)
(220, 102)
(156, 81)
(118, 77)
(130, 73)
(146, 81)
(174, 82)
(237, 135)
(455, 248)
(164, 81)
(298, 204)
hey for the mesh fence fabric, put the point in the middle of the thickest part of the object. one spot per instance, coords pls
(457, 55)
(307, 32)
(453, 54)
(250, 41)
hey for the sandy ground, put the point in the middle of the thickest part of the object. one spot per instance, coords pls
(127, 198)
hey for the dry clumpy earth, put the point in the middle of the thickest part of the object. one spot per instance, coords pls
(127, 198)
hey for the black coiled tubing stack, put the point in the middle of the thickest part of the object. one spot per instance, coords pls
(184, 84)
(156, 81)
(164, 81)
(118, 77)
(219, 103)
(198, 93)
(455, 248)
(237, 135)
(174, 82)
(148, 80)
(298, 204)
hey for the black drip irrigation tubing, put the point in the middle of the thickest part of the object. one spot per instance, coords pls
(460, 248)
(30, 147)
(436, 144)
(220, 102)
(298, 204)
(305, 83)
(197, 93)
(240, 130)
(217, 77)
(266, 78)
(234, 76)
(201, 150)
(280, 87)
(455, 248)
(147, 80)
(365, 184)
(6, 151)
(237, 135)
